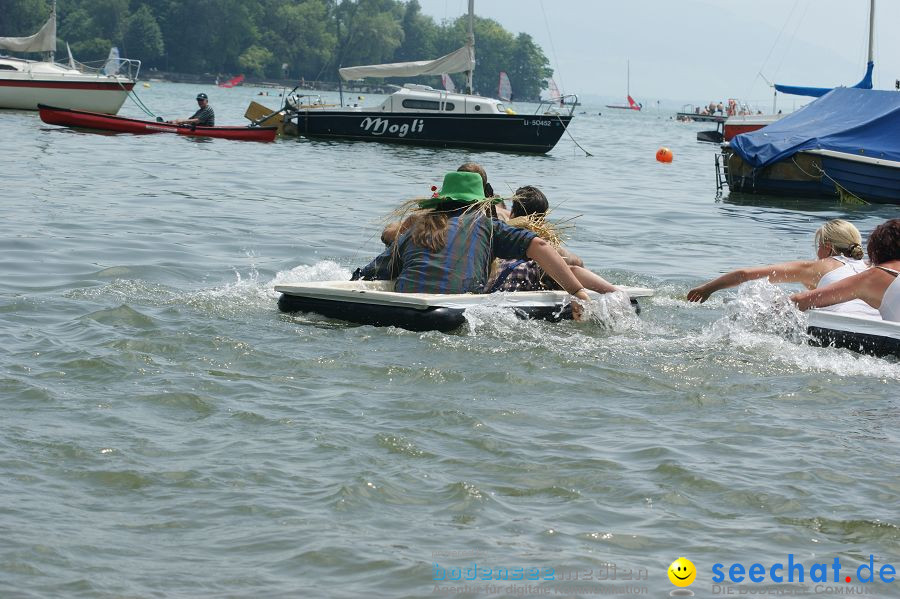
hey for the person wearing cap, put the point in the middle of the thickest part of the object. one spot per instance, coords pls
(450, 245)
(205, 116)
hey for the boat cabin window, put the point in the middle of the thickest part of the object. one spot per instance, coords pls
(7, 67)
(427, 105)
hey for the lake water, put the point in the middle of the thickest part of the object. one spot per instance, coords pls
(169, 433)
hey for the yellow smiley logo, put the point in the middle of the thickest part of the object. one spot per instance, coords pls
(682, 572)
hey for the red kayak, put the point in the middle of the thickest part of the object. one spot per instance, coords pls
(108, 122)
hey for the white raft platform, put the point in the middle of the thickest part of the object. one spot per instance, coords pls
(858, 333)
(374, 303)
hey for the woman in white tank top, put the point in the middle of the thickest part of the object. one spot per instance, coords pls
(838, 255)
(878, 285)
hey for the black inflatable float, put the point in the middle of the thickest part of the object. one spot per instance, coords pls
(373, 303)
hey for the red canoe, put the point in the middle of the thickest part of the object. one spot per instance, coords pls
(108, 122)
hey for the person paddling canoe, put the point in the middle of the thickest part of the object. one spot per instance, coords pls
(205, 116)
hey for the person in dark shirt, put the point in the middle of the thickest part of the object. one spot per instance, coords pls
(530, 206)
(205, 116)
(449, 246)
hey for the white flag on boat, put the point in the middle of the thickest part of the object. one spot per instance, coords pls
(112, 62)
(447, 81)
(504, 89)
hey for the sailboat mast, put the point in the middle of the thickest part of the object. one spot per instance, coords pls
(53, 15)
(628, 77)
(871, 30)
(471, 43)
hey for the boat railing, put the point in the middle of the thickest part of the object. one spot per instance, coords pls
(558, 107)
(294, 102)
(122, 67)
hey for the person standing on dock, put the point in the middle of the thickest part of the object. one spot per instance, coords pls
(205, 116)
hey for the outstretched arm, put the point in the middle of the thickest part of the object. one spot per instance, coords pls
(807, 272)
(868, 286)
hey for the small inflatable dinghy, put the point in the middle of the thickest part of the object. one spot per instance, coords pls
(375, 303)
(858, 333)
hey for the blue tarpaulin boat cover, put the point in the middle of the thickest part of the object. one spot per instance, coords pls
(857, 121)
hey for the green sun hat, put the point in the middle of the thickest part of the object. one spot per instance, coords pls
(462, 187)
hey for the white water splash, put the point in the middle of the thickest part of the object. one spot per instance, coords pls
(326, 270)
(610, 313)
(762, 320)
(762, 308)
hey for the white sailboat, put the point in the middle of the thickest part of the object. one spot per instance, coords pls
(26, 83)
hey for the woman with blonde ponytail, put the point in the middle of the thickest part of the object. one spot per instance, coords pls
(878, 285)
(839, 254)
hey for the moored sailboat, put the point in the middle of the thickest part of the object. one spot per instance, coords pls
(632, 105)
(26, 83)
(840, 145)
(421, 115)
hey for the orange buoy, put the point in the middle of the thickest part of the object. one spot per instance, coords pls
(664, 155)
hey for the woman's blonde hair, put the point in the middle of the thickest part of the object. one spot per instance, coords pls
(842, 236)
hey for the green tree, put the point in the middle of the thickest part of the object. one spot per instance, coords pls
(84, 36)
(94, 50)
(255, 60)
(259, 36)
(370, 31)
(529, 68)
(21, 18)
(419, 35)
(300, 35)
(143, 38)
(110, 17)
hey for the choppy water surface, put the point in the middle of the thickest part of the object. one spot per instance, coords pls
(168, 433)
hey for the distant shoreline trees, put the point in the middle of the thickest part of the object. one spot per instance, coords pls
(283, 39)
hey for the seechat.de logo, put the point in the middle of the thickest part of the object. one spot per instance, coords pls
(795, 571)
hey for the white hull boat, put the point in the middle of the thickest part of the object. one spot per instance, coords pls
(857, 333)
(26, 83)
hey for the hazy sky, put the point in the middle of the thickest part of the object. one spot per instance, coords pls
(697, 50)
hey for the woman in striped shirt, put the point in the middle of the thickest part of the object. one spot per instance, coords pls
(451, 242)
